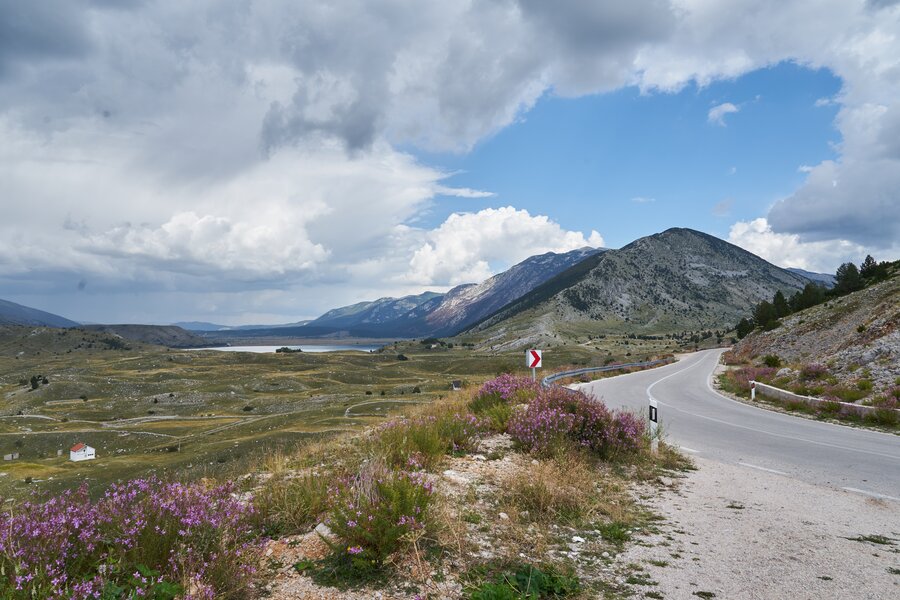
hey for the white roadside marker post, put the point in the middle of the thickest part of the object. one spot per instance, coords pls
(654, 424)
(753, 390)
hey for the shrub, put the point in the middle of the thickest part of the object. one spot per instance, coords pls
(421, 442)
(864, 385)
(287, 506)
(527, 582)
(508, 386)
(888, 417)
(813, 371)
(557, 491)
(771, 360)
(558, 417)
(373, 513)
(738, 380)
(140, 538)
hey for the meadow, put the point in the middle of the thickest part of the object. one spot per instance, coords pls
(189, 414)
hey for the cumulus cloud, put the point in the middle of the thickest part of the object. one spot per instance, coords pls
(132, 130)
(788, 250)
(717, 113)
(466, 246)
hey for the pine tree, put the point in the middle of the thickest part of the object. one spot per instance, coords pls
(780, 304)
(847, 279)
(868, 267)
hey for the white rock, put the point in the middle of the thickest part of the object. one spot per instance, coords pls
(455, 477)
(605, 555)
(480, 457)
(504, 517)
(534, 461)
(323, 530)
(578, 539)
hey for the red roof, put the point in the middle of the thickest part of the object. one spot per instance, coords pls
(78, 446)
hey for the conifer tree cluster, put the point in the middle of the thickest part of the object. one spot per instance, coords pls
(848, 278)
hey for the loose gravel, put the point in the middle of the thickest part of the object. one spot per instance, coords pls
(732, 532)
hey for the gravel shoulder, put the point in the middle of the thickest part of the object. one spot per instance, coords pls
(734, 533)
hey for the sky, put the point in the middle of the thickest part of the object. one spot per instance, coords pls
(263, 161)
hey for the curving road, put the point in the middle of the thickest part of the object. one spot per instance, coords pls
(705, 423)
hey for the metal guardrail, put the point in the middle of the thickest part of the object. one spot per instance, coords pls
(549, 379)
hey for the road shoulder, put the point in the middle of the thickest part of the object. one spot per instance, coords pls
(734, 533)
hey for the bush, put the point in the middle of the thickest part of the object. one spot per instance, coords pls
(421, 442)
(771, 360)
(737, 381)
(508, 387)
(526, 582)
(864, 385)
(813, 371)
(373, 513)
(558, 417)
(888, 417)
(288, 506)
(140, 538)
(558, 491)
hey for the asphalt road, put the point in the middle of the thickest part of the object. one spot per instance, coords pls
(708, 424)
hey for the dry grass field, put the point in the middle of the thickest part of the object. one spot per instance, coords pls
(195, 413)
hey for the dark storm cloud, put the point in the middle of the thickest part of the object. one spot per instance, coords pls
(34, 31)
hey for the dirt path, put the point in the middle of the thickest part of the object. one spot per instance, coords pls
(736, 534)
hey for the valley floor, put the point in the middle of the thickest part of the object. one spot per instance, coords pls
(731, 533)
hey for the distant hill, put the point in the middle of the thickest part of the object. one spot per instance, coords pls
(159, 335)
(432, 314)
(206, 326)
(824, 278)
(16, 314)
(678, 280)
(464, 305)
(392, 313)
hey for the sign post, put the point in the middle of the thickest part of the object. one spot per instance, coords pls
(533, 361)
(654, 424)
(753, 390)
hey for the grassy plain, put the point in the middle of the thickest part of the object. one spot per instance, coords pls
(196, 413)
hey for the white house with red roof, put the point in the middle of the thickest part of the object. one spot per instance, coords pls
(81, 451)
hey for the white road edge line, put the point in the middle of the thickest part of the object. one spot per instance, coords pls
(871, 494)
(678, 372)
(691, 450)
(762, 468)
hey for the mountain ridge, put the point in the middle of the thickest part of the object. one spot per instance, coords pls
(679, 279)
(12, 313)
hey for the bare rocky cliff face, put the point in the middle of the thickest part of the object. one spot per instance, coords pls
(465, 305)
(677, 280)
(852, 335)
(431, 314)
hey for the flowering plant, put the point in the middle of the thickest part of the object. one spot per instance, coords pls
(143, 537)
(374, 512)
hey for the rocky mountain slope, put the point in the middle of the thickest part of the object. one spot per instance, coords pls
(17, 314)
(384, 311)
(855, 336)
(431, 314)
(678, 280)
(160, 335)
(826, 279)
(464, 305)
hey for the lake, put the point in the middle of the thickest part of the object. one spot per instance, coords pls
(304, 347)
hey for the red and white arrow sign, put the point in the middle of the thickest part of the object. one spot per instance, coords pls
(533, 359)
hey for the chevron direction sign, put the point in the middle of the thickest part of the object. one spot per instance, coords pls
(533, 359)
